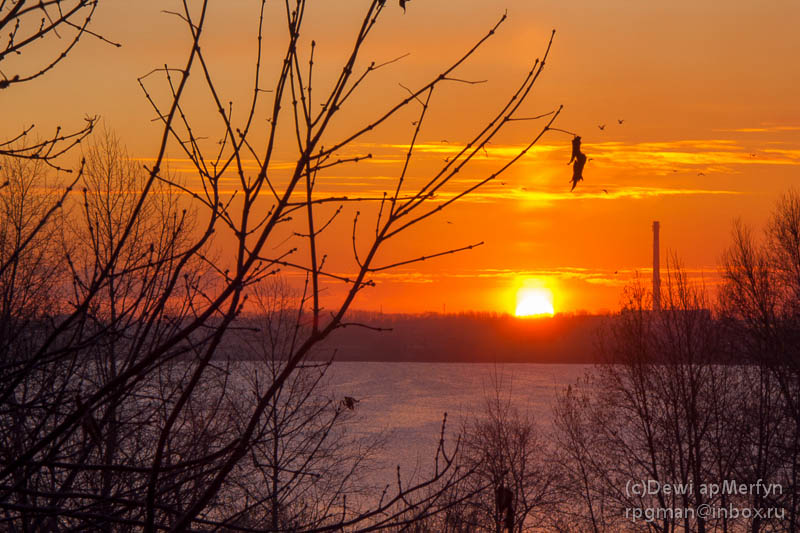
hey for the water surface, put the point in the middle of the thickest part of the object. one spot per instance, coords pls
(406, 402)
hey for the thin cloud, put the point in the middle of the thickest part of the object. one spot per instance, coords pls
(666, 157)
(564, 276)
(700, 156)
(760, 129)
(661, 158)
(494, 194)
(490, 150)
(636, 193)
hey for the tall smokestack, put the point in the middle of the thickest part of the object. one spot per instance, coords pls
(656, 269)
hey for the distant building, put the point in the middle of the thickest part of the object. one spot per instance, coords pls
(656, 268)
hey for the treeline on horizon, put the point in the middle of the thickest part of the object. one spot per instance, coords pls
(471, 337)
(488, 337)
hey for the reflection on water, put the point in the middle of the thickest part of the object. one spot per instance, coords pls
(407, 401)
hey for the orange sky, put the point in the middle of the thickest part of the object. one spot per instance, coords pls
(711, 131)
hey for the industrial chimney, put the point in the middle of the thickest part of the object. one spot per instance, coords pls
(656, 269)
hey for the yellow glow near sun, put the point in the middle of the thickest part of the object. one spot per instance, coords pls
(534, 302)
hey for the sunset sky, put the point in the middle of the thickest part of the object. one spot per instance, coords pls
(707, 92)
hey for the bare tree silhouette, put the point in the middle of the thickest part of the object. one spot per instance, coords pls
(664, 409)
(46, 31)
(514, 487)
(760, 300)
(117, 411)
(692, 396)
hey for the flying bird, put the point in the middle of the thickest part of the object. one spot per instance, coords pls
(605, 191)
(701, 173)
(620, 120)
(602, 127)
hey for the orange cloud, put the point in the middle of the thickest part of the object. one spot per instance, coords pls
(604, 277)
(761, 129)
(701, 156)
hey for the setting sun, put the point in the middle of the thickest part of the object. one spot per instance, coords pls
(533, 302)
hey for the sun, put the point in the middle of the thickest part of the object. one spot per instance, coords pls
(534, 302)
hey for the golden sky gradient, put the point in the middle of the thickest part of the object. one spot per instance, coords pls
(707, 92)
